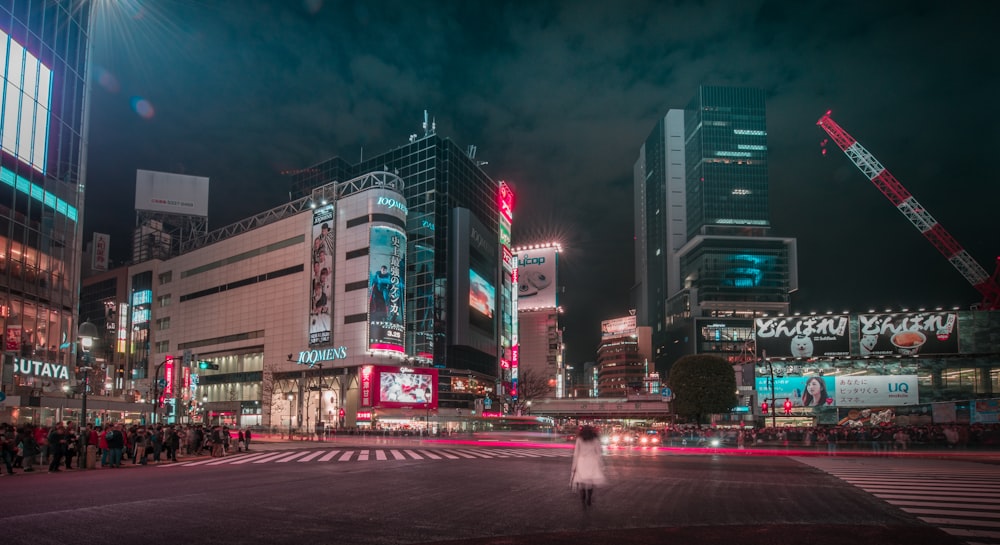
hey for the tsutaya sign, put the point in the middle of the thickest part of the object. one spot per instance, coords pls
(41, 369)
(312, 357)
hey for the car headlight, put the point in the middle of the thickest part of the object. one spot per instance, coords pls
(714, 442)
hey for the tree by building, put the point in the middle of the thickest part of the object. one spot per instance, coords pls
(268, 390)
(702, 385)
(530, 385)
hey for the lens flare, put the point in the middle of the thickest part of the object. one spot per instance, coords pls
(143, 107)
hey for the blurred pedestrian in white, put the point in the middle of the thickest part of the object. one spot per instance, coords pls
(588, 464)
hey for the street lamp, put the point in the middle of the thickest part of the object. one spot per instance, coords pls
(156, 393)
(319, 405)
(770, 370)
(290, 398)
(87, 334)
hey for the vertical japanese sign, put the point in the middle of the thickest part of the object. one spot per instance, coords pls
(366, 386)
(168, 378)
(13, 338)
(99, 252)
(386, 267)
(321, 279)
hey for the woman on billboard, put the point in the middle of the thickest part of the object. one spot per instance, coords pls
(816, 394)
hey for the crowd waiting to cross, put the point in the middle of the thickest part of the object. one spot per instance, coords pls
(879, 439)
(66, 447)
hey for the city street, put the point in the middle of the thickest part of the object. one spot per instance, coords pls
(408, 491)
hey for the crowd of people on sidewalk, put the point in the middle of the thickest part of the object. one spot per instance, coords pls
(65, 446)
(876, 438)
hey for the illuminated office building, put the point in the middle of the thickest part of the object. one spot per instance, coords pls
(703, 247)
(43, 127)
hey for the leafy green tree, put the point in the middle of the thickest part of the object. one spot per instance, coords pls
(702, 384)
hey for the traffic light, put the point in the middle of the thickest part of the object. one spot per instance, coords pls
(207, 365)
(763, 407)
(788, 406)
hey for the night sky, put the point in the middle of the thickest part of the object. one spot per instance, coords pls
(558, 97)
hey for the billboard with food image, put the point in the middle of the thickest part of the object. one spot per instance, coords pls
(908, 334)
(803, 336)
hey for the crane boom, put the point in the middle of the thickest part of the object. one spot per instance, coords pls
(988, 287)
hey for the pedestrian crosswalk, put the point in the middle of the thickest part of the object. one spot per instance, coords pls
(961, 498)
(374, 454)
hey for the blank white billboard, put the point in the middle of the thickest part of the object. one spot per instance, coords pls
(171, 193)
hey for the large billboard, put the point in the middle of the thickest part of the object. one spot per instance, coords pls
(878, 390)
(171, 193)
(25, 98)
(386, 268)
(482, 300)
(536, 279)
(840, 391)
(404, 387)
(908, 334)
(321, 276)
(803, 336)
(618, 326)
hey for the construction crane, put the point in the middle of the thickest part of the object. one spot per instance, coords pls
(988, 286)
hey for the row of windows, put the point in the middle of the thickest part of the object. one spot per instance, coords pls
(249, 254)
(244, 282)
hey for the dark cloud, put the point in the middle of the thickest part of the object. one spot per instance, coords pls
(558, 97)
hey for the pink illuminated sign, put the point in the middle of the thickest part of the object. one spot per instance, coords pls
(506, 202)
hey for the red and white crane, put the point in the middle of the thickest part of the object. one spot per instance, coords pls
(988, 286)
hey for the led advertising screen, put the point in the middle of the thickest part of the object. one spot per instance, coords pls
(536, 278)
(746, 270)
(321, 276)
(803, 336)
(811, 391)
(25, 97)
(482, 301)
(841, 391)
(386, 267)
(482, 295)
(908, 334)
(405, 387)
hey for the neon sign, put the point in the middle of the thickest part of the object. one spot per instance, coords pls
(506, 202)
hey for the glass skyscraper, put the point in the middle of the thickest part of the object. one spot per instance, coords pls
(43, 71)
(702, 220)
(726, 157)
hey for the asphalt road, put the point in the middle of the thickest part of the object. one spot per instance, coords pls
(493, 498)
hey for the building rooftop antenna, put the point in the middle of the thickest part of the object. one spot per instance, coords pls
(429, 129)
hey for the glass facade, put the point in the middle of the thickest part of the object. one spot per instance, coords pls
(43, 60)
(746, 270)
(726, 156)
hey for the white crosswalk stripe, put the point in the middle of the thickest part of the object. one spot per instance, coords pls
(377, 455)
(961, 498)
